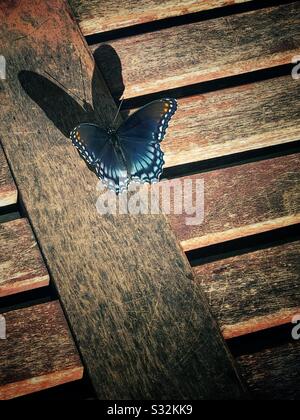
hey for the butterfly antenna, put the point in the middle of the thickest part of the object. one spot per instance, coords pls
(61, 85)
(118, 112)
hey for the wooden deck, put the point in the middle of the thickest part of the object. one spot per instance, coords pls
(39, 351)
(208, 50)
(145, 325)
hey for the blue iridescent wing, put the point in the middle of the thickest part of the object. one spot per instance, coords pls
(140, 136)
(91, 141)
(95, 147)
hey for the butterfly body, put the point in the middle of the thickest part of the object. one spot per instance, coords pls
(132, 152)
(116, 143)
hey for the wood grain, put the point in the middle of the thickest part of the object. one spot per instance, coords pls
(274, 373)
(21, 264)
(38, 352)
(239, 201)
(252, 292)
(142, 325)
(234, 120)
(96, 16)
(8, 190)
(198, 52)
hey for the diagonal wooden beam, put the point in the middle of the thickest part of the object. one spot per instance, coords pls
(142, 325)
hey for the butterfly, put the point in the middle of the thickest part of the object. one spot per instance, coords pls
(130, 153)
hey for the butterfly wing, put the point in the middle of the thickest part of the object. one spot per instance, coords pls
(91, 141)
(95, 147)
(140, 136)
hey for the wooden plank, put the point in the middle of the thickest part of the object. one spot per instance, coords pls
(252, 292)
(21, 264)
(139, 319)
(234, 120)
(8, 190)
(273, 373)
(38, 352)
(203, 51)
(97, 16)
(240, 201)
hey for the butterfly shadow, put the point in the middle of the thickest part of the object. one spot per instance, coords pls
(60, 107)
(110, 66)
(64, 109)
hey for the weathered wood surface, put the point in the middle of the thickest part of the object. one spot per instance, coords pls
(21, 264)
(38, 352)
(234, 120)
(240, 201)
(274, 373)
(142, 325)
(8, 191)
(252, 292)
(96, 16)
(203, 51)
